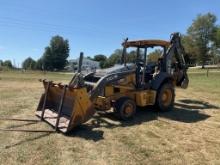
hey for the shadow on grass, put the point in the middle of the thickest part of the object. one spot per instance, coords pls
(197, 104)
(21, 125)
(27, 140)
(182, 112)
(87, 132)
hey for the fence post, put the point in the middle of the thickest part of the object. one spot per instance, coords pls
(207, 73)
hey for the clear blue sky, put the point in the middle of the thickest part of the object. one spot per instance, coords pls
(91, 26)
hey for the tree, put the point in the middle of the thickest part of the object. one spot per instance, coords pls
(115, 58)
(131, 56)
(99, 58)
(90, 58)
(47, 59)
(29, 63)
(56, 54)
(189, 45)
(7, 64)
(191, 50)
(39, 64)
(214, 54)
(217, 37)
(202, 32)
(1, 63)
(215, 49)
(155, 55)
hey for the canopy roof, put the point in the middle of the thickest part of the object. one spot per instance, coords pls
(146, 43)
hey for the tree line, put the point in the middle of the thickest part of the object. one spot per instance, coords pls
(6, 63)
(54, 57)
(115, 58)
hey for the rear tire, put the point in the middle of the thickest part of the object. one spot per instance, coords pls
(165, 97)
(125, 108)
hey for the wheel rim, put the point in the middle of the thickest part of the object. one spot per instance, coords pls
(128, 110)
(167, 97)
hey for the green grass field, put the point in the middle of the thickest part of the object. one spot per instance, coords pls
(187, 135)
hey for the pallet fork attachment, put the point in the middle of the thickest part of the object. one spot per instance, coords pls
(63, 106)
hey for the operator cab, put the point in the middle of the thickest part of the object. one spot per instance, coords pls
(146, 66)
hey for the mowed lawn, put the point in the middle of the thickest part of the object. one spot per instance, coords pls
(190, 134)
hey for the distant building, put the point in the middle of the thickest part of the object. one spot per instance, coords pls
(87, 65)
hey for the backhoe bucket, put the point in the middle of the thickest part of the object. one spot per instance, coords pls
(64, 107)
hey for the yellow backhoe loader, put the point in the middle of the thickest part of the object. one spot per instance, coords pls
(122, 87)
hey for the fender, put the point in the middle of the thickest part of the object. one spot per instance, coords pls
(159, 79)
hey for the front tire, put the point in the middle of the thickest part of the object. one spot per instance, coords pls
(125, 108)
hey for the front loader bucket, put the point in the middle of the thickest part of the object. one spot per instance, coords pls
(64, 107)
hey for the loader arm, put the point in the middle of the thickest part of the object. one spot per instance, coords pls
(108, 79)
